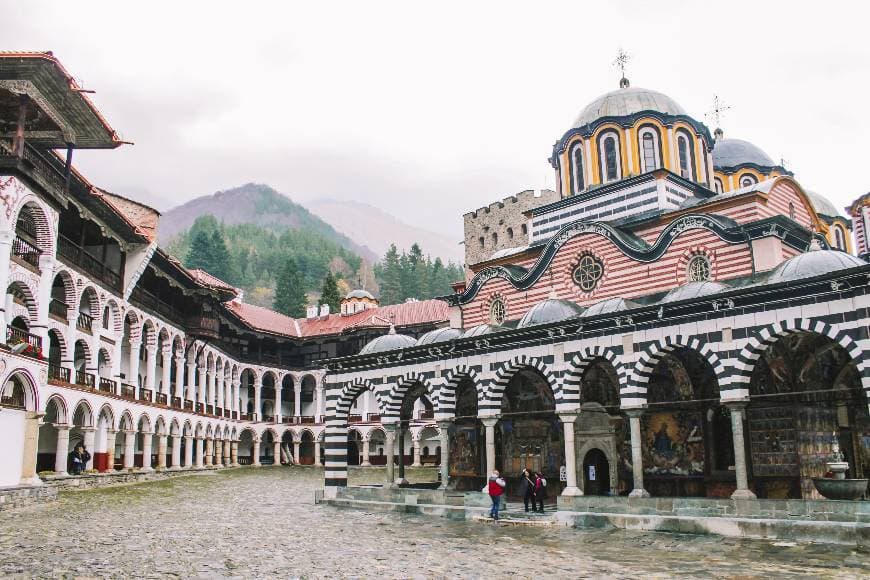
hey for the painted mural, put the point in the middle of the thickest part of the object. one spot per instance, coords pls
(464, 451)
(673, 443)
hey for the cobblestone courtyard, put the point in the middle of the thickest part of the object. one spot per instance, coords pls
(263, 523)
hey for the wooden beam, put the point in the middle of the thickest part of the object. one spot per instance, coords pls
(18, 143)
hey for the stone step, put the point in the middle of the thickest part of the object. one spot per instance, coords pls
(540, 521)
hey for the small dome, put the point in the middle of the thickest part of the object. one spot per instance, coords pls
(480, 330)
(391, 341)
(627, 101)
(551, 310)
(608, 306)
(734, 152)
(439, 335)
(693, 290)
(359, 294)
(813, 263)
(822, 204)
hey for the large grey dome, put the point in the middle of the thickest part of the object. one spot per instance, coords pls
(439, 335)
(693, 290)
(480, 330)
(813, 263)
(387, 342)
(734, 152)
(551, 310)
(359, 294)
(822, 204)
(608, 306)
(624, 102)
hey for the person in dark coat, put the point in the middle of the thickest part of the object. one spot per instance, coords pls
(540, 492)
(80, 458)
(527, 489)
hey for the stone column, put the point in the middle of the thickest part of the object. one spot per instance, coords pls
(226, 449)
(634, 416)
(147, 439)
(390, 431)
(129, 448)
(161, 451)
(278, 413)
(211, 383)
(570, 455)
(110, 449)
(6, 238)
(31, 448)
(276, 451)
(317, 452)
(237, 385)
(218, 453)
(258, 390)
(178, 391)
(235, 453)
(176, 452)
(39, 326)
(489, 423)
(366, 460)
(415, 446)
(200, 452)
(200, 388)
(90, 434)
(219, 389)
(297, 444)
(133, 368)
(743, 491)
(166, 378)
(209, 451)
(61, 452)
(191, 381)
(188, 451)
(297, 403)
(445, 452)
(255, 461)
(151, 367)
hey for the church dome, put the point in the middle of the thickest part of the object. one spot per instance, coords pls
(391, 341)
(627, 101)
(480, 330)
(439, 335)
(813, 263)
(693, 290)
(551, 310)
(359, 294)
(822, 204)
(608, 306)
(734, 152)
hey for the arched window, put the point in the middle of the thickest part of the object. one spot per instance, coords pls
(480, 241)
(649, 148)
(510, 233)
(839, 239)
(791, 211)
(747, 180)
(578, 183)
(525, 229)
(685, 154)
(717, 185)
(609, 154)
(106, 313)
(494, 239)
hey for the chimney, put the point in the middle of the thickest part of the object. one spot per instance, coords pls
(324, 309)
(311, 312)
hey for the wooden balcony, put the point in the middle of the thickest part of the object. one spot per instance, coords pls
(128, 391)
(162, 399)
(58, 309)
(85, 322)
(79, 257)
(86, 379)
(108, 385)
(26, 252)
(202, 325)
(58, 373)
(16, 336)
(354, 419)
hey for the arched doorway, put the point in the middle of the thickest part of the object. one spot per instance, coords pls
(596, 473)
(805, 394)
(467, 454)
(306, 448)
(602, 425)
(529, 435)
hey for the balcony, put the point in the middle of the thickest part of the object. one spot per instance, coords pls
(188, 405)
(128, 391)
(39, 169)
(307, 420)
(146, 395)
(58, 373)
(176, 402)
(26, 252)
(203, 325)
(58, 309)
(200, 408)
(108, 385)
(209, 410)
(85, 322)
(354, 419)
(86, 379)
(162, 399)
(18, 336)
(78, 256)
(374, 418)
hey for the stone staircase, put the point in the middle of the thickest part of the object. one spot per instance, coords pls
(515, 515)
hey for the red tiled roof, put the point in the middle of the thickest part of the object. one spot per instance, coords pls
(143, 218)
(401, 315)
(206, 279)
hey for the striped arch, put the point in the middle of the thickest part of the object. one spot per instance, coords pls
(635, 393)
(572, 383)
(38, 213)
(503, 376)
(21, 283)
(445, 396)
(762, 339)
(397, 392)
(335, 438)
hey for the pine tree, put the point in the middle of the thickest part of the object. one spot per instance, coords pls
(200, 253)
(289, 291)
(221, 262)
(391, 277)
(329, 294)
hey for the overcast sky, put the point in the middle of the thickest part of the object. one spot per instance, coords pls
(432, 110)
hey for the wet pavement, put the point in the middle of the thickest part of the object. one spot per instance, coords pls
(262, 523)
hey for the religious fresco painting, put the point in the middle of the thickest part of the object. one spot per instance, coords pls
(673, 444)
(464, 451)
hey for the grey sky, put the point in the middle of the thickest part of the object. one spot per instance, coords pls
(431, 110)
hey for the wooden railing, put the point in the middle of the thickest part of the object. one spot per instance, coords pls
(86, 379)
(204, 325)
(107, 385)
(162, 398)
(176, 402)
(374, 418)
(78, 256)
(58, 373)
(26, 251)
(128, 391)
(58, 308)
(15, 335)
(146, 395)
(354, 419)
(85, 322)
(307, 420)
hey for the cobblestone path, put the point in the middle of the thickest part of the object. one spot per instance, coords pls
(262, 523)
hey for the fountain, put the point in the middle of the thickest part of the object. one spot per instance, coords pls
(837, 486)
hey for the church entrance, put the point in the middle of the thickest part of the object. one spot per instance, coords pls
(596, 473)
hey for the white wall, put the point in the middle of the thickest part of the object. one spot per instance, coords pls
(12, 436)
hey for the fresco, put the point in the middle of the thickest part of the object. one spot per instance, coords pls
(673, 443)
(464, 451)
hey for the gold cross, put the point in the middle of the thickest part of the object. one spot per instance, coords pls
(621, 61)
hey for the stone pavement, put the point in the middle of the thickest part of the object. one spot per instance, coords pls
(262, 523)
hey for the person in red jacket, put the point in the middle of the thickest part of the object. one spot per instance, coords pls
(496, 489)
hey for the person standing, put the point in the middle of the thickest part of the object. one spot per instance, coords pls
(540, 493)
(527, 489)
(496, 490)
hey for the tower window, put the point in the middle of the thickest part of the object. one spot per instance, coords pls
(494, 239)
(510, 233)
(748, 180)
(608, 155)
(524, 228)
(649, 149)
(685, 157)
(839, 240)
(791, 211)
(578, 182)
(717, 184)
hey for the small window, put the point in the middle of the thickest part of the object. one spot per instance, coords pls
(685, 157)
(497, 312)
(510, 233)
(748, 180)
(480, 241)
(610, 161)
(588, 272)
(577, 178)
(649, 150)
(717, 185)
(839, 239)
(524, 229)
(698, 269)
(494, 239)
(106, 318)
(791, 212)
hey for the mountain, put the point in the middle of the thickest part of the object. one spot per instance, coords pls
(253, 203)
(376, 229)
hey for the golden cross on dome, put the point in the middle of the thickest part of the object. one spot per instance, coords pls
(719, 108)
(621, 61)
